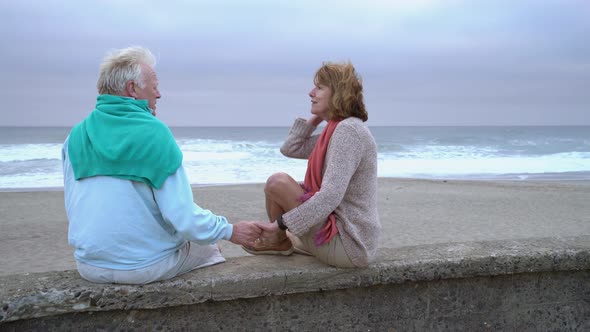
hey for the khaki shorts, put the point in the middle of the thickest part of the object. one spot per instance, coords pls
(331, 253)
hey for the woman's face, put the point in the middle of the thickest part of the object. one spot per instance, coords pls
(320, 100)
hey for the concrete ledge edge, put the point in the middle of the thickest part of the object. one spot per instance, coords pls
(25, 296)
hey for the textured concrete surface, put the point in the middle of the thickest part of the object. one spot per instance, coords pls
(547, 301)
(563, 261)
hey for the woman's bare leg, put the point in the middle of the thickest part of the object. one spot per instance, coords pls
(282, 194)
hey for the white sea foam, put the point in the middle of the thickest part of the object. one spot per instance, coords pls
(22, 152)
(250, 158)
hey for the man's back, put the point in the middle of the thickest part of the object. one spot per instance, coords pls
(128, 199)
(115, 223)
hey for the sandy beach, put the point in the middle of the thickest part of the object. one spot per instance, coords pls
(33, 224)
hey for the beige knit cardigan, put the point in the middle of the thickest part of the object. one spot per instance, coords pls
(349, 187)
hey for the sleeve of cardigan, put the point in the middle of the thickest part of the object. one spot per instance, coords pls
(299, 142)
(343, 157)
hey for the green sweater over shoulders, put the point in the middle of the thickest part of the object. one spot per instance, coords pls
(121, 138)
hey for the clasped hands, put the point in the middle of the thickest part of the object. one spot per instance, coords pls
(252, 233)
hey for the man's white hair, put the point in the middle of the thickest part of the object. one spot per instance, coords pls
(121, 66)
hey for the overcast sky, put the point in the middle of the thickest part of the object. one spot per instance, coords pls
(228, 63)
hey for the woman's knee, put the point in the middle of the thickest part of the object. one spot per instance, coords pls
(276, 183)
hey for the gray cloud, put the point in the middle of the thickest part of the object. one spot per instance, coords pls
(251, 63)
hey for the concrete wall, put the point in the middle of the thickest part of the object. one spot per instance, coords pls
(527, 285)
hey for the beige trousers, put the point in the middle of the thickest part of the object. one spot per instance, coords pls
(331, 253)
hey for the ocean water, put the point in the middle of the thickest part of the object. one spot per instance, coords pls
(30, 157)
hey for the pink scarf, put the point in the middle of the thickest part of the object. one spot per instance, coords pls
(313, 181)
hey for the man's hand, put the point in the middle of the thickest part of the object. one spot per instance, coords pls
(271, 233)
(245, 233)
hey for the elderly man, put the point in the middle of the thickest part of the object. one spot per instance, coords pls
(130, 206)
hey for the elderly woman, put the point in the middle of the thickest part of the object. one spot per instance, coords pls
(333, 214)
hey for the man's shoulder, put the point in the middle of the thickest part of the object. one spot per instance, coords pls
(161, 126)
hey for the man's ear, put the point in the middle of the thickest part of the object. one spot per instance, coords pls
(130, 89)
